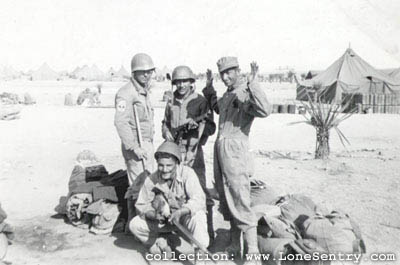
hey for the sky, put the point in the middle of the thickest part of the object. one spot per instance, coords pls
(304, 34)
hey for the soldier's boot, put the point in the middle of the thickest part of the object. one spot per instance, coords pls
(131, 213)
(234, 248)
(251, 243)
(210, 224)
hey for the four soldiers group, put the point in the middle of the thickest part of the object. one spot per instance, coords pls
(180, 173)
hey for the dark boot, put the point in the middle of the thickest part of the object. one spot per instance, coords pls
(234, 248)
(131, 213)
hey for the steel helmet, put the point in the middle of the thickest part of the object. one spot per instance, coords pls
(169, 148)
(141, 62)
(182, 72)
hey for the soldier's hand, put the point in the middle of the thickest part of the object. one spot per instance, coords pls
(253, 72)
(210, 78)
(209, 89)
(176, 216)
(192, 124)
(189, 160)
(154, 216)
(168, 136)
(140, 153)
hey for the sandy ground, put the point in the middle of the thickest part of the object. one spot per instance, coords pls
(37, 154)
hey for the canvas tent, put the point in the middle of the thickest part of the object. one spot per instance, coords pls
(123, 73)
(111, 73)
(349, 74)
(75, 72)
(89, 73)
(311, 74)
(9, 73)
(45, 73)
(395, 74)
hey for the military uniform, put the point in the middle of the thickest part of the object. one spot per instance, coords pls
(237, 108)
(177, 113)
(185, 187)
(129, 95)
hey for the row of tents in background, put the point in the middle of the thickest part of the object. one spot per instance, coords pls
(84, 73)
(93, 73)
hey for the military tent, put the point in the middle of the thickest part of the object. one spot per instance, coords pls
(311, 74)
(75, 72)
(45, 73)
(349, 74)
(123, 73)
(89, 73)
(111, 73)
(9, 73)
(395, 74)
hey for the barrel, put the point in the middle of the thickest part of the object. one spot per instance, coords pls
(283, 109)
(275, 108)
(291, 108)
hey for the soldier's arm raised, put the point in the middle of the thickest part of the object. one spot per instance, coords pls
(257, 104)
(209, 92)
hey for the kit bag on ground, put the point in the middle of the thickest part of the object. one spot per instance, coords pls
(76, 209)
(335, 232)
(261, 193)
(103, 215)
(298, 207)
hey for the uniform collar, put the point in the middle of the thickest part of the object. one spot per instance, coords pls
(139, 88)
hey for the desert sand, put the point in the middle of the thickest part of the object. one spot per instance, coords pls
(38, 151)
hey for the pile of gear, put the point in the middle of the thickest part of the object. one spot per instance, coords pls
(12, 98)
(295, 224)
(9, 98)
(95, 197)
(6, 235)
(88, 98)
(9, 105)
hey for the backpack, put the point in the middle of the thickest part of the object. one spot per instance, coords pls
(298, 207)
(104, 215)
(277, 227)
(335, 232)
(76, 208)
(261, 193)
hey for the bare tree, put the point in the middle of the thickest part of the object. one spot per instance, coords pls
(324, 116)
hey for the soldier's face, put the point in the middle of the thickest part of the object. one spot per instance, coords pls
(183, 86)
(230, 76)
(166, 167)
(143, 77)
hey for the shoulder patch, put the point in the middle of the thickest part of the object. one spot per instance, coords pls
(121, 105)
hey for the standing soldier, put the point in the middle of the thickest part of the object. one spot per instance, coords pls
(188, 122)
(240, 104)
(133, 99)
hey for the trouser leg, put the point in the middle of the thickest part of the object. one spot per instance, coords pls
(136, 175)
(144, 230)
(197, 225)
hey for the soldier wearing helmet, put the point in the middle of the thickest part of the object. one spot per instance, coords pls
(240, 104)
(188, 121)
(136, 93)
(180, 187)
